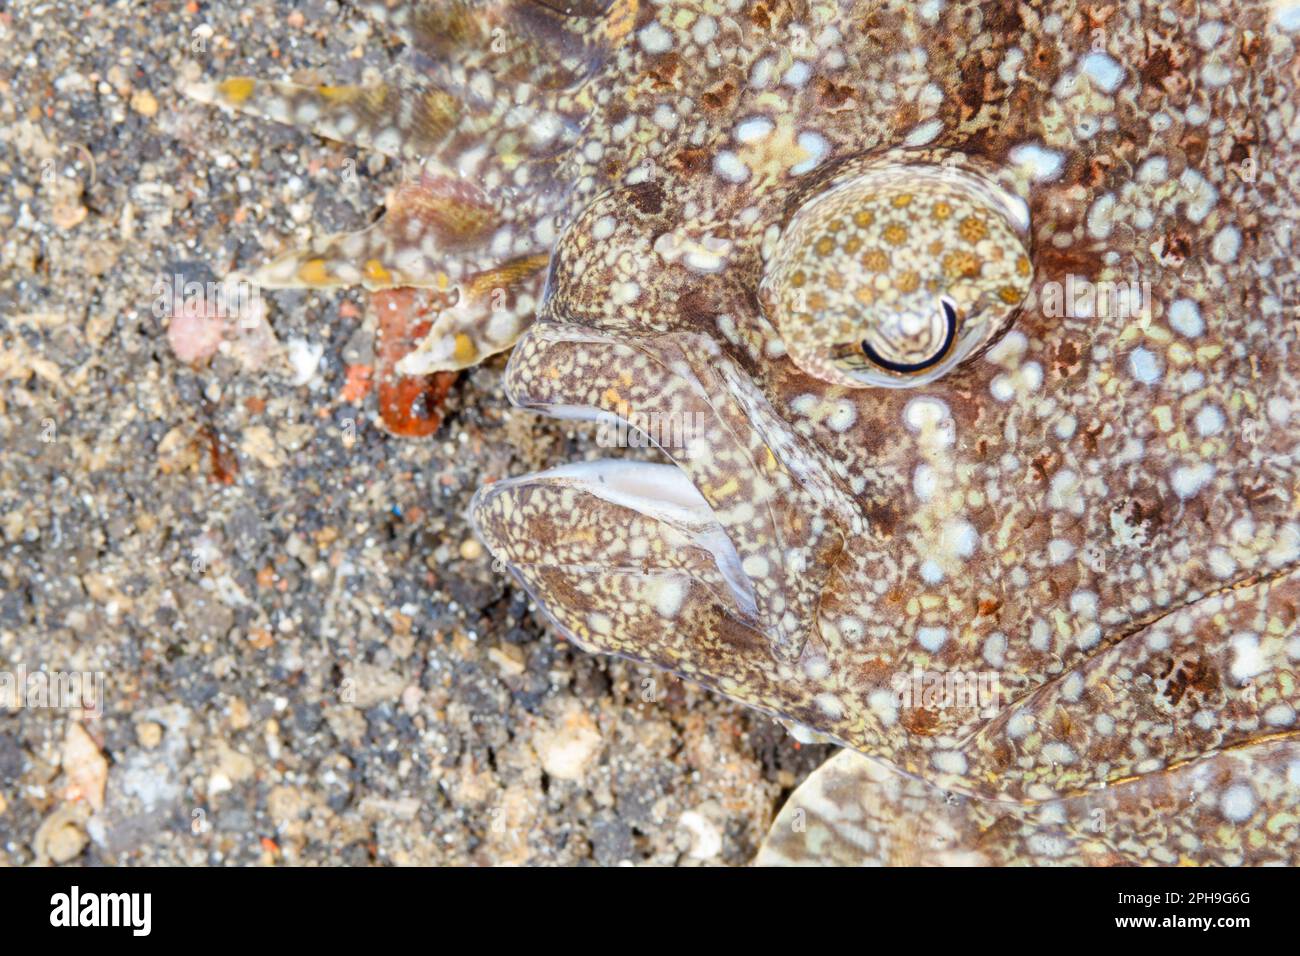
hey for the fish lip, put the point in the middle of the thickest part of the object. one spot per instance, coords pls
(633, 484)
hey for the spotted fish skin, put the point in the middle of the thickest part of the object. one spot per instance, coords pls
(1097, 508)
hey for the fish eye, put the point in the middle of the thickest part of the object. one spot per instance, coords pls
(892, 275)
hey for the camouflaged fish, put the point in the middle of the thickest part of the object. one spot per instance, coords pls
(969, 335)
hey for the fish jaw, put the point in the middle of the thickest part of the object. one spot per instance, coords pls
(713, 566)
(627, 558)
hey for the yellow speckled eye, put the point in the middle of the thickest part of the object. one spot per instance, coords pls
(925, 265)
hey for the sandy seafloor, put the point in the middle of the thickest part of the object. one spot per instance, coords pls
(306, 657)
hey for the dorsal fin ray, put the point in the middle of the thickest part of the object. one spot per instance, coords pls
(407, 124)
(547, 44)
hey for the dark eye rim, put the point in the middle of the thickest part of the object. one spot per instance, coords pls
(906, 368)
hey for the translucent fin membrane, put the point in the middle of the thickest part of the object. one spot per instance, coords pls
(427, 220)
(405, 123)
(487, 105)
(437, 26)
(546, 45)
(1234, 808)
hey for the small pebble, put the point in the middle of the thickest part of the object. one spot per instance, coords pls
(68, 215)
(567, 750)
(65, 842)
(305, 358)
(149, 734)
(706, 839)
(144, 103)
(509, 658)
(85, 766)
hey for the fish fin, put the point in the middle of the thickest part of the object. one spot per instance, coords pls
(492, 311)
(548, 45)
(400, 123)
(803, 733)
(431, 236)
(438, 27)
(1231, 808)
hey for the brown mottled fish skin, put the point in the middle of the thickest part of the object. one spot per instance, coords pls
(1098, 510)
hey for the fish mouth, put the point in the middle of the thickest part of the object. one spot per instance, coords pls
(719, 553)
(661, 494)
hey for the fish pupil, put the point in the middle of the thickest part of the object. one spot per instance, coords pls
(910, 368)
